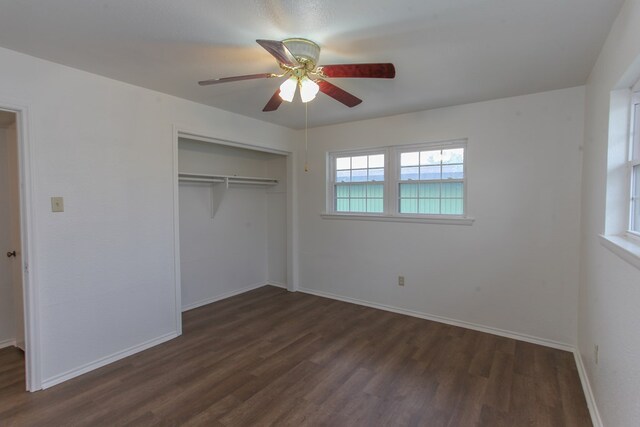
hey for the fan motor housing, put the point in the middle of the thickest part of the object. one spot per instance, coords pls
(304, 50)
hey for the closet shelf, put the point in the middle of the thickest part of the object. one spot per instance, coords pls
(228, 179)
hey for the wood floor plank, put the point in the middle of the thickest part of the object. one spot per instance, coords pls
(498, 392)
(271, 357)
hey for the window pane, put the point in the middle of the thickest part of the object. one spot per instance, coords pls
(430, 157)
(408, 190)
(429, 206)
(375, 190)
(375, 205)
(376, 161)
(358, 205)
(343, 163)
(359, 190)
(376, 174)
(455, 155)
(359, 183)
(359, 162)
(342, 190)
(409, 159)
(635, 150)
(452, 189)
(342, 205)
(451, 206)
(343, 176)
(635, 207)
(452, 172)
(408, 205)
(429, 172)
(359, 175)
(409, 173)
(430, 190)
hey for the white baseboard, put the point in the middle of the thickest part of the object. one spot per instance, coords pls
(276, 284)
(468, 325)
(57, 379)
(588, 392)
(227, 295)
(8, 343)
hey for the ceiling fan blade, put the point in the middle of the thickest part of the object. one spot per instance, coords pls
(371, 71)
(279, 51)
(338, 94)
(235, 79)
(274, 102)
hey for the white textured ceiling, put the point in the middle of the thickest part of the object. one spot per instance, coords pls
(446, 52)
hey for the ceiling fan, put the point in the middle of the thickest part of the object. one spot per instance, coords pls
(298, 59)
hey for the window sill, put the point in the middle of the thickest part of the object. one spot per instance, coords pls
(398, 218)
(626, 248)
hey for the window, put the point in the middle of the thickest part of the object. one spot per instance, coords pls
(359, 183)
(426, 181)
(634, 165)
(432, 182)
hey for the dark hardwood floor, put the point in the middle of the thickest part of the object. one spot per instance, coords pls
(270, 357)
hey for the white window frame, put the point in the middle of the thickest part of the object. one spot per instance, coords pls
(618, 236)
(430, 147)
(331, 173)
(633, 159)
(392, 183)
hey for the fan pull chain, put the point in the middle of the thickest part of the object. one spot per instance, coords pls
(306, 140)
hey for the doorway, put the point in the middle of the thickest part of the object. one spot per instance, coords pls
(16, 349)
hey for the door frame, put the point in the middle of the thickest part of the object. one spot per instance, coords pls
(292, 213)
(27, 243)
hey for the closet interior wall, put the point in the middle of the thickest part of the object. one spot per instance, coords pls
(231, 239)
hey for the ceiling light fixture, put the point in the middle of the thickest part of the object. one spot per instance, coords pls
(308, 89)
(288, 88)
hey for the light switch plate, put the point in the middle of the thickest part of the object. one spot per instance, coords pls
(57, 204)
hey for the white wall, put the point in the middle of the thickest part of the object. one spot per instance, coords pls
(230, 252)
(277, 222)
(609, 287)
(105, 267)
(514, 269)
(7, 312)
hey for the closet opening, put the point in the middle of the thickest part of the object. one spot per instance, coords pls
(233, 213)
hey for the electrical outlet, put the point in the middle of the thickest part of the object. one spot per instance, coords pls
(400, 280)
(596, 349)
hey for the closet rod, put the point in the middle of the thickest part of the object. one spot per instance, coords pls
(201, 179)
(234, 179)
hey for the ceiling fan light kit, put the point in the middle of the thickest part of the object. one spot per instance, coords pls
(288, 88)
(308, 89)
(298, 59)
